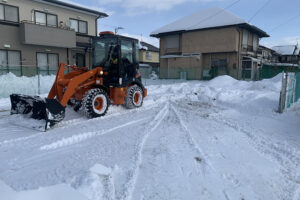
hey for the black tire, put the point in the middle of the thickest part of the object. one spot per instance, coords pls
(134, 97)
(95, 103)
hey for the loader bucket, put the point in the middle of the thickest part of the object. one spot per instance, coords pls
(37, 108)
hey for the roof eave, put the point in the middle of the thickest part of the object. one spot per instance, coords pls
(260, 32)
(95, 12)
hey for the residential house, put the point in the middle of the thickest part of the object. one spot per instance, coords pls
(149, 54)
(209, 43)
(44, 33)
(267, 55)
(149, 59)
(288, 53)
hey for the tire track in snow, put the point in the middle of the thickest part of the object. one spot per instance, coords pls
(85, 136)
(68, 123)
(287, 158)
(130, 185)
(72, 122)
(190, 137)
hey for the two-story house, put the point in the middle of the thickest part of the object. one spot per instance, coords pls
(209, 43)
(148, 59)
(36, 35)
(149, 54)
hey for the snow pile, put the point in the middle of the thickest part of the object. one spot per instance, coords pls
(24, 85)
(57, 192)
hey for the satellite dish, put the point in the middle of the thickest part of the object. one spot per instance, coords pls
(68, 24)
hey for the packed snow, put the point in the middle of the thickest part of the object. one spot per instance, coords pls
(220, 139)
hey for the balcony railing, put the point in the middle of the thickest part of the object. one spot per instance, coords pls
(40, 34)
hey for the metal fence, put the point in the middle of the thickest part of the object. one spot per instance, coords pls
(27, 70)
(290, 92)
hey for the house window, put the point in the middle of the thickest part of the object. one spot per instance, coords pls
(47, 63)
(245, 38)
(79, 26)
(1, 12)
(45, 19)
(9, 13)
(10, 61)
(172, 42)
(148, 55)
(255, 42)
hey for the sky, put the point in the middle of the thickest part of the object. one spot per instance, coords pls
(279, 18)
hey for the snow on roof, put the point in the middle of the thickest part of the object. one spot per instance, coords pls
(213, 17)
(148, 47)
(75, 5)
(286, 49)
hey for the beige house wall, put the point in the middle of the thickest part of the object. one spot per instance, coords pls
(143, 57)
(164, 50)
(28, 52)
(27, 8)
(212, 40)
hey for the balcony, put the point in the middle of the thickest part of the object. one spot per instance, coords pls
(36, 34)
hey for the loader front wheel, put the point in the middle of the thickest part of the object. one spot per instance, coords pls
(95, 103)
(134, 97)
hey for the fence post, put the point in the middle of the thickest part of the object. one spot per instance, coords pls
(282, 99)
(39, 81)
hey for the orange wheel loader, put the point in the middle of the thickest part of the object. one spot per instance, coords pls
(114, 78)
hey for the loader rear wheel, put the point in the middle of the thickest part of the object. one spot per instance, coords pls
(134, 97)
(95, 103)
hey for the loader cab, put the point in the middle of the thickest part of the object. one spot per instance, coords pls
(118, 56)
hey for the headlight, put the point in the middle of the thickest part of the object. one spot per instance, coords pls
(101, 72)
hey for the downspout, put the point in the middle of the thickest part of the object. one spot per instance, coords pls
(96, 25)
(68, 57)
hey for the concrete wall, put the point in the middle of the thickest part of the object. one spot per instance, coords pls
(27, 7)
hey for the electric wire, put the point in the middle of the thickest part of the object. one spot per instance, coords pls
(259, 10)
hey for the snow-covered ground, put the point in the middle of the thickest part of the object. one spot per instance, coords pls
(220, 139)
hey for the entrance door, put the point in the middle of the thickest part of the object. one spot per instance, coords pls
(80, 60)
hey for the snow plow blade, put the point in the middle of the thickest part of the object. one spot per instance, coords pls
(37, 108)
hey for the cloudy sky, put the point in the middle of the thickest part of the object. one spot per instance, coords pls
(279, 18)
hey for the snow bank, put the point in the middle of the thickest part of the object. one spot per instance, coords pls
(57, 192)
(24, 85)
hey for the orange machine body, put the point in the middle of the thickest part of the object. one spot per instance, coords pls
(76, 83)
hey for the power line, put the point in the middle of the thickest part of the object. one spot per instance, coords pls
(285, 22)
(258, 11)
